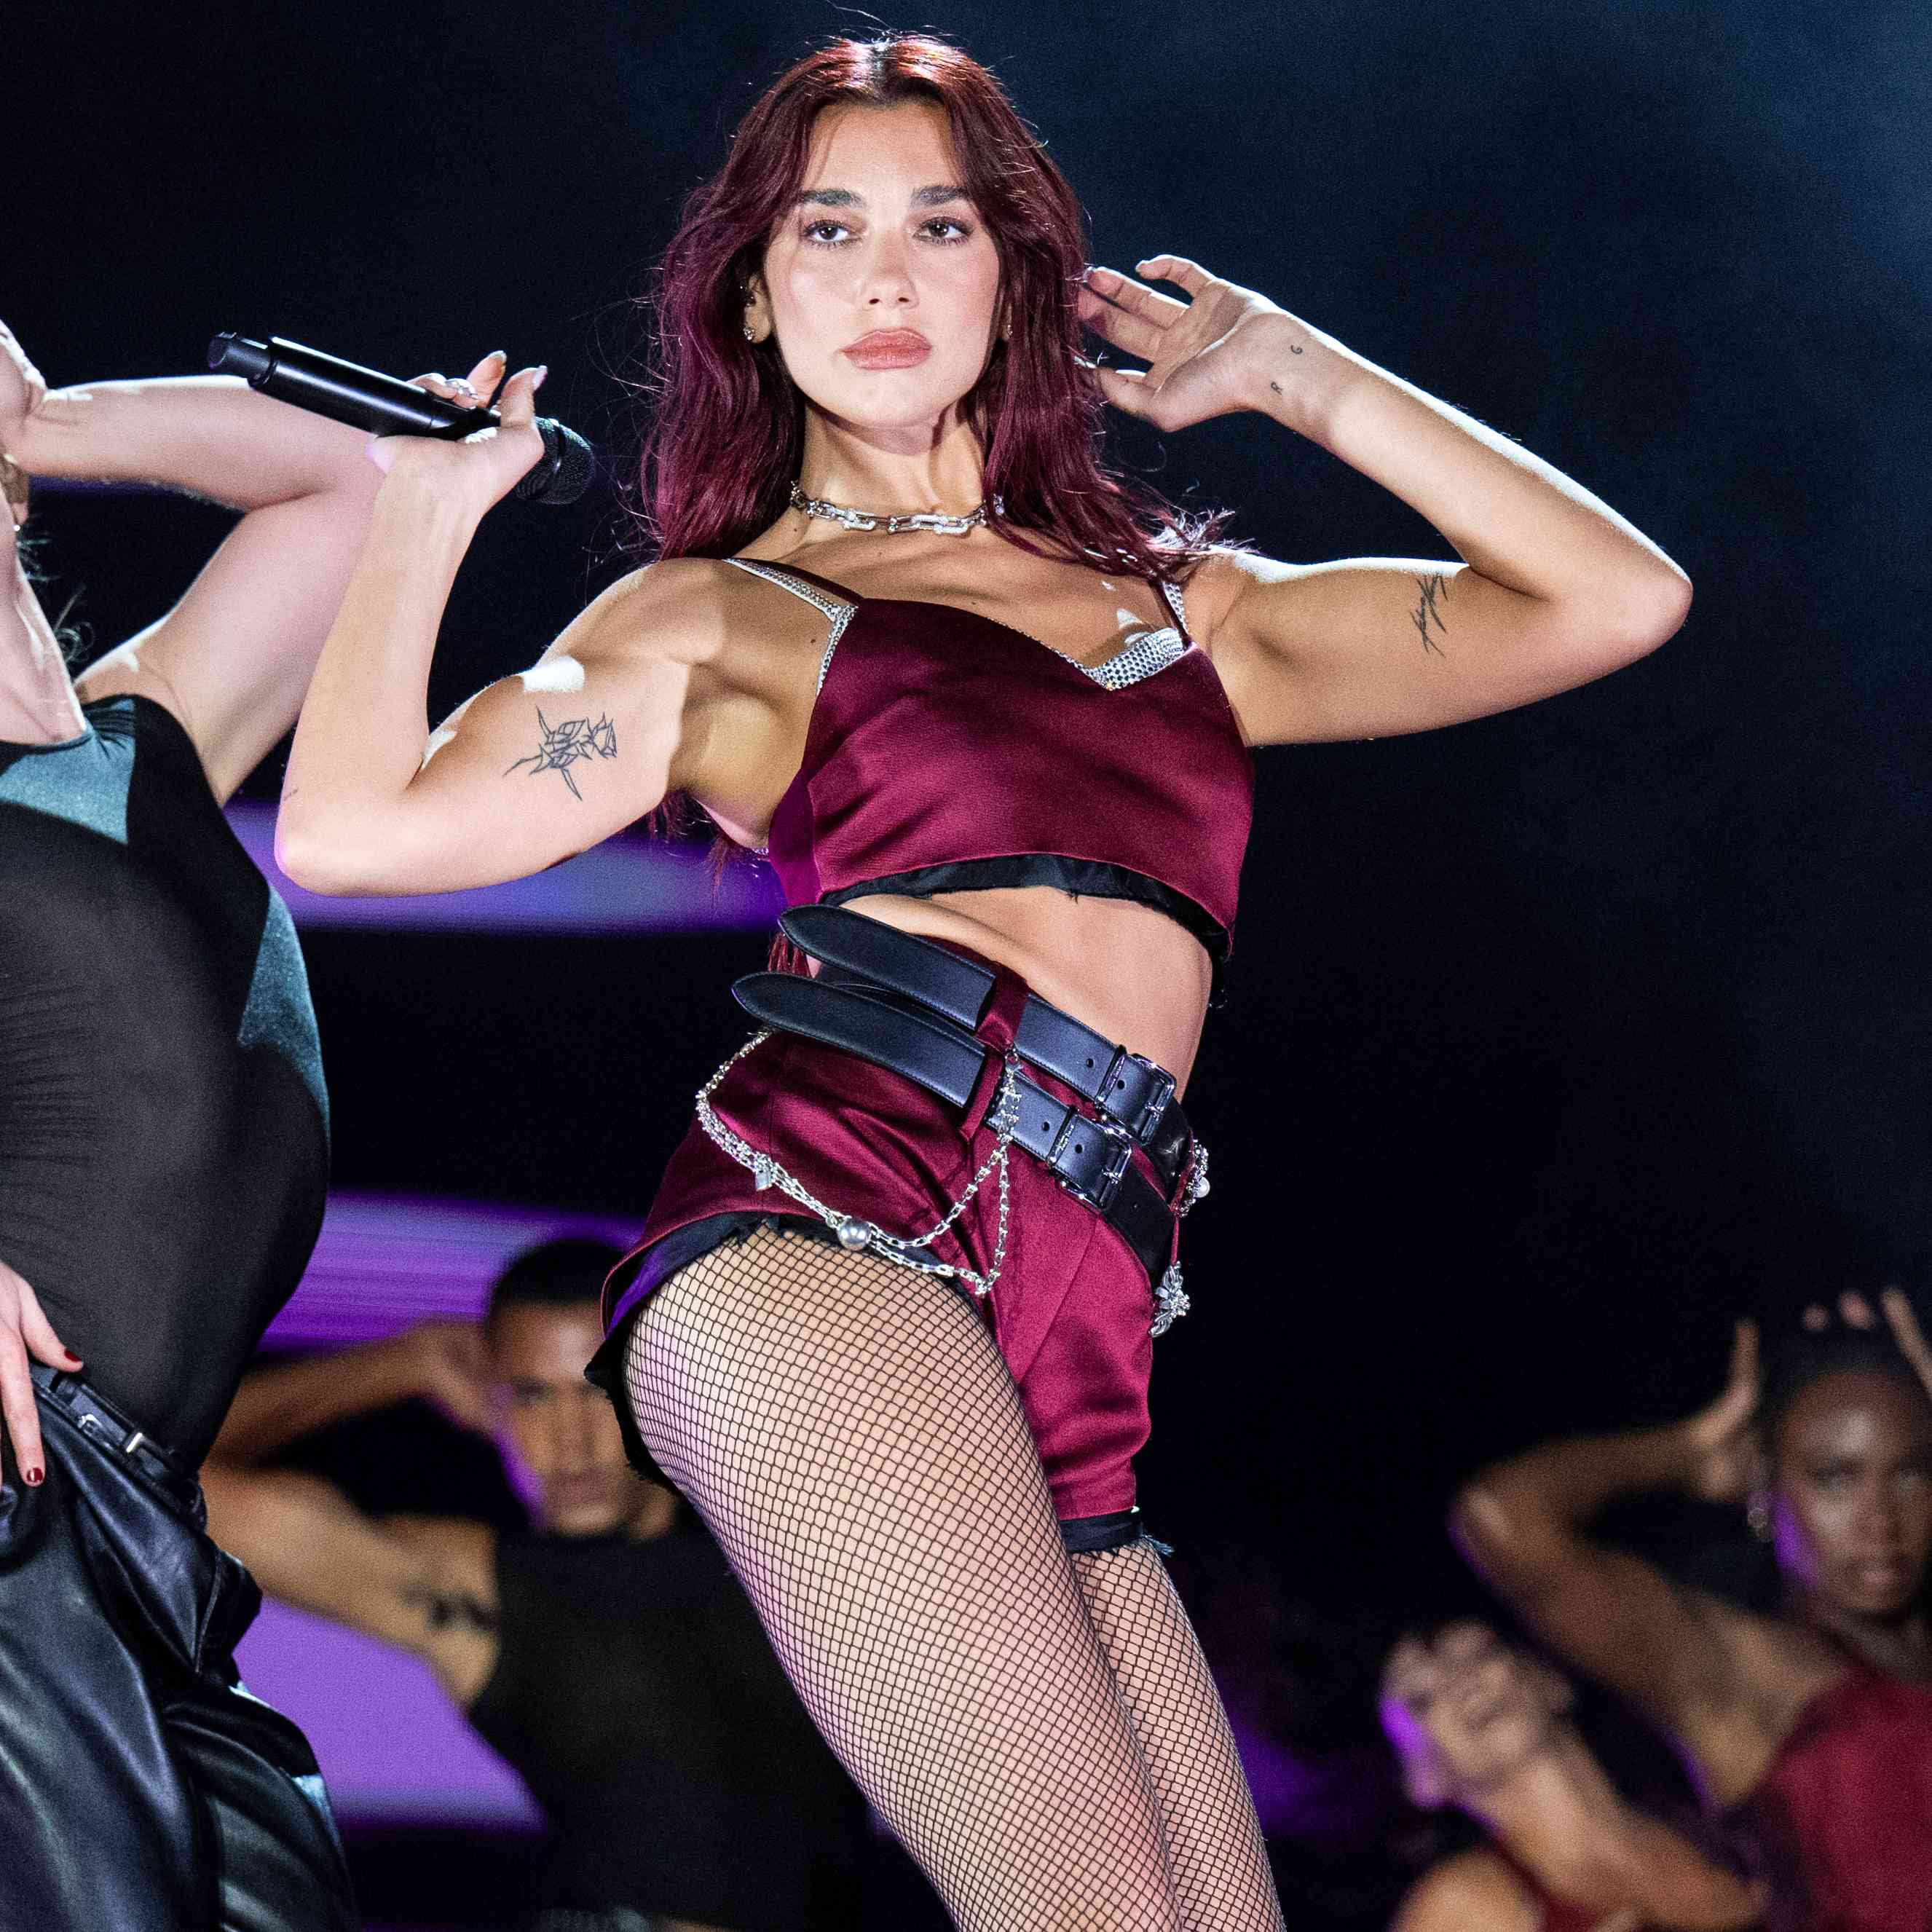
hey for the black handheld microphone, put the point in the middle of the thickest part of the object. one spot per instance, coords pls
(346, 392)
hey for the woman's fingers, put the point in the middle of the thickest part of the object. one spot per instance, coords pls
(18, 1408)
(38, 1332)
(1123, 328)
(1906, 1332)
(1148, 305)
(1177, 269)
(1744, 1354)
(517, 404)
(1126, 389)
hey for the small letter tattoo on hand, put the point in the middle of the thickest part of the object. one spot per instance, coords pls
(1434, 590)
(563, 744)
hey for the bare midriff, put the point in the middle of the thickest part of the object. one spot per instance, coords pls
(1128, 971)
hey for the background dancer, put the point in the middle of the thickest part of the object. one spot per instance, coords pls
(1482, 1725)
(984, 715)
(610, 1656)
(164, 1152)
(1808, 1729)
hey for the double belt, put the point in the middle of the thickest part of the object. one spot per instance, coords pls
(910, 1006)
(96, 1418)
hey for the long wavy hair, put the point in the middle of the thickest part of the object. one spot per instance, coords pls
(727, 428)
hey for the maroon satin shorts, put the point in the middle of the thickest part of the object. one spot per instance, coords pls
(1071, 1309)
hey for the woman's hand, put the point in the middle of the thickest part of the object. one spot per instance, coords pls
(25, 1331)
(484, 468)
(1855, 1311)
(1225, 348)
(1725, 1454)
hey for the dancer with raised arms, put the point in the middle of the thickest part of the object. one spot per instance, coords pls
(990, 706)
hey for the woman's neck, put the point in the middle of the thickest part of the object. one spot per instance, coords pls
(898, 471)
(1899, 1646)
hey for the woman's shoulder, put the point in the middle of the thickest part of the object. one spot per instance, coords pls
(688, 609)
(1475, 1888)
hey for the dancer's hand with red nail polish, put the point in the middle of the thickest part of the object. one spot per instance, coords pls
(26, 1333)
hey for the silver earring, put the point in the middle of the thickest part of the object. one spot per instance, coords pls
(748, 336)
(1757, 1514)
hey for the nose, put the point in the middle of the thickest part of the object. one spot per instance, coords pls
(887, 274)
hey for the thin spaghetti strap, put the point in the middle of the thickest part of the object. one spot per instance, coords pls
(1171, 595)
(820, 592)
(786, 576)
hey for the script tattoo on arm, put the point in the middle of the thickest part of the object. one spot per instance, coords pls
(1428, 611)
(563, 744)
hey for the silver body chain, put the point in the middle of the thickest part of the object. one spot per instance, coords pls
(1171, 1301)
(861, 1235)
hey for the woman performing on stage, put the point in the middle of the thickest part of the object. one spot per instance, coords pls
(1809, 1731)
(1486, 1727)
(889, 1326)
(163, 1156)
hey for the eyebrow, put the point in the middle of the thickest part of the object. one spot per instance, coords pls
(843, 197)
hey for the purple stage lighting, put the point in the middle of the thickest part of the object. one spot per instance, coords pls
(633, 884)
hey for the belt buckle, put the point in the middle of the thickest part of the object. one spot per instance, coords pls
(1098, 1195)
(1146, 1118)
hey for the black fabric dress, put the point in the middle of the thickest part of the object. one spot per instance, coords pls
(638, 1698)
(163, 1155)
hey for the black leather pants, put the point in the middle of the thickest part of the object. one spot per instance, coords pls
(142, 1788)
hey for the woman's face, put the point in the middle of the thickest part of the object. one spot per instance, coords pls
(1465, 1710)
(883, 283)
(1854, 1492)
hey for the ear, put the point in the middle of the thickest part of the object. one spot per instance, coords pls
(757, 309)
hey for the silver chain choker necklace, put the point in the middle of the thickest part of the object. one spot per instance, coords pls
(939, 524)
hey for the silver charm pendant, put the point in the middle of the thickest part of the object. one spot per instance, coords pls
(1171, 1301)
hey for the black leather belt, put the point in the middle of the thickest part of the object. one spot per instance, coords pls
(1127, 1087)
(1093, 1158)
(95, 1416)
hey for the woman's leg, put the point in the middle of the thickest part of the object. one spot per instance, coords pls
(850, 1433)
(1222, 1881)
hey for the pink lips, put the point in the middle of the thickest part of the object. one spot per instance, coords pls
(889, 349)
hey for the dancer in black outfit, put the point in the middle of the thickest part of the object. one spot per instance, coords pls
(610, 1657)
(164, 1151)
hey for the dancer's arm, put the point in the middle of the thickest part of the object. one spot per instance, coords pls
(1677, 1653)
(233, 657)
(427, 1586)
(627, 705)
(1555, 590)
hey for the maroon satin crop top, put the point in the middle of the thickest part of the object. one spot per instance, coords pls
(948, 752)
(1840, 1826)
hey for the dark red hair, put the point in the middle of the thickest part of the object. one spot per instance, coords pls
(727, 427)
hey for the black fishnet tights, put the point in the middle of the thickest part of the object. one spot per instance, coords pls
(848, 1431)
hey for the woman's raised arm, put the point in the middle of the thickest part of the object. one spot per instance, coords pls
(1525, 1525)
(621, 709)
(1555, 588)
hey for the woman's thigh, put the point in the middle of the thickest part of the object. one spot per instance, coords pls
(851, 1433)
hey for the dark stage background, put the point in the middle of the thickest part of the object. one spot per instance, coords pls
(1551, 1041)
